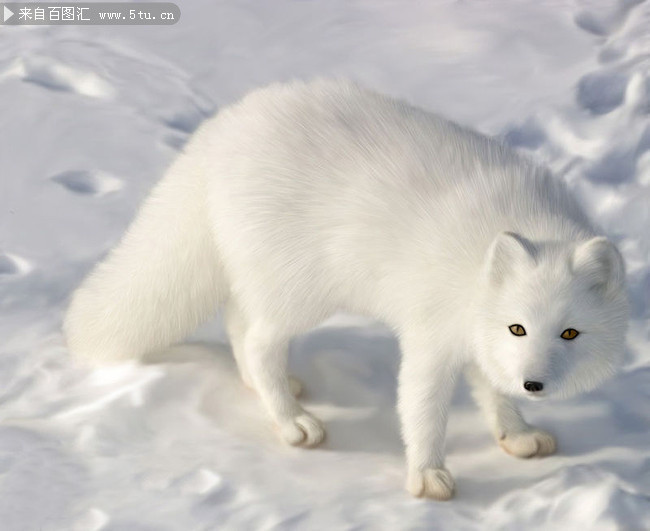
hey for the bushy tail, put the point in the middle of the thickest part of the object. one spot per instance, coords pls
(158, 284)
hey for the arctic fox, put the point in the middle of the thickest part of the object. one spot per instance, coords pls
(306, 199)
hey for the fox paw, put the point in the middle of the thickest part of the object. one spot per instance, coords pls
(434, 483)
(302, 430)
(525, 444)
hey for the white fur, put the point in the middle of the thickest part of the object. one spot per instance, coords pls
(307, 199)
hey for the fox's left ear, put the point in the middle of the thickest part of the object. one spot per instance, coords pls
(600, 262)
(509, 252)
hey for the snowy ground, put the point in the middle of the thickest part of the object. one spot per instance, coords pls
(89, 119)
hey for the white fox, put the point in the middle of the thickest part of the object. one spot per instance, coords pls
(306, 199)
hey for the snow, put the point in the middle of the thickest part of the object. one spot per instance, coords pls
(91, 116)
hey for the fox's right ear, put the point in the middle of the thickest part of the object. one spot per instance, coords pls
(508, 251)
(600, 263)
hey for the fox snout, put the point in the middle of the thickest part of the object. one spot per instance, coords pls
(533, 387)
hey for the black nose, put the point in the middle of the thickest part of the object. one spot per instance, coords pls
(533, 387)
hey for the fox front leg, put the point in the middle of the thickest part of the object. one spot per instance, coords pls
(426, 384)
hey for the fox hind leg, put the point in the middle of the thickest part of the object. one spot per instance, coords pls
(236, 327)
(266, 349)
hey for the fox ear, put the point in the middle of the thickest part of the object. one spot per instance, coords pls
(508, 251)
(600, 263)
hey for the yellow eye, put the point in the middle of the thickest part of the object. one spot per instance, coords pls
(517, 330)
(570, 333)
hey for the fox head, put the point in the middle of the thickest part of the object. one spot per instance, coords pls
(551, 317)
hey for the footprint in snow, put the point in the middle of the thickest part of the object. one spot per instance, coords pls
(175, 141)
(89, 183)
(182, 124)
(606, 19)
(602, 92)
(612, 52)
(54, 75)
(185, 120)
(12, 265)
(528, 135)
(620, 165)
